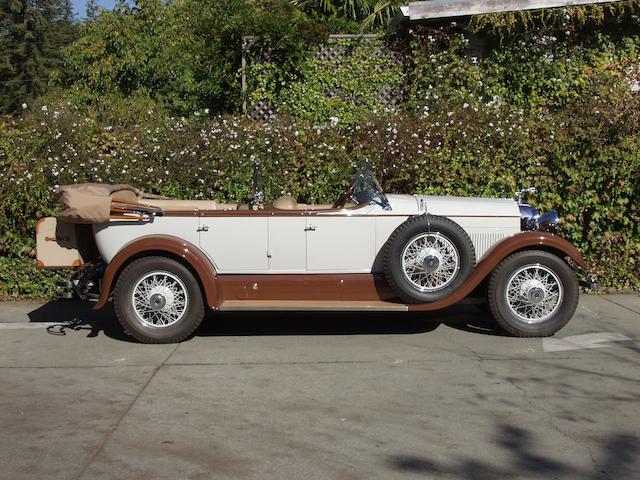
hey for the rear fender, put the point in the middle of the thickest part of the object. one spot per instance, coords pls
(159, 244)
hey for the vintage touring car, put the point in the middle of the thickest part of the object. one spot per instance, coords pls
(163, 261)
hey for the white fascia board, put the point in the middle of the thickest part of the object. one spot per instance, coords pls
(458, 8)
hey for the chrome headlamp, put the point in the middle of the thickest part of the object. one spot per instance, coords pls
(531, 219)
(549, 222)
(528, 217)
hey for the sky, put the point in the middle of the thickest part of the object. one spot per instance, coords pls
(80, 6)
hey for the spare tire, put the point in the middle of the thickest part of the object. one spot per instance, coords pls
(427, 258)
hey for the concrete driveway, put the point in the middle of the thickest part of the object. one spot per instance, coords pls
(326, 396)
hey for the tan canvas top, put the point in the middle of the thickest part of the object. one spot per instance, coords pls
(91, 202)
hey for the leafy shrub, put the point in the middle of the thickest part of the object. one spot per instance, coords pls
(559, 112)
(584, 160)
(343, 89)
(583, 17)
(535, 72)
(183, 55)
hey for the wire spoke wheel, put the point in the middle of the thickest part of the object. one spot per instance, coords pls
(159, 299)
(430, 262)
(534, 293)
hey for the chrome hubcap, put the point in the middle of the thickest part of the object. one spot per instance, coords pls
(534, 293)
(159, 299)
(430, 261)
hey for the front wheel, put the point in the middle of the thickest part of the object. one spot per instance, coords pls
(533, 293)
(158, 300)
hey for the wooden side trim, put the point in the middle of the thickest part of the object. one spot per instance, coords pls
(320, 287)
(521, 241)
(311, 306)
(163, 243)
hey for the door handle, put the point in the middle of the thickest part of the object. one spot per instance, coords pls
(310, 228)
(203, 228)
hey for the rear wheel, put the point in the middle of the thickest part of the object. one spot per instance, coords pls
(158, 300)
(533, 293)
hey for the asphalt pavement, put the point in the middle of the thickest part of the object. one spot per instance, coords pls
(320, 396)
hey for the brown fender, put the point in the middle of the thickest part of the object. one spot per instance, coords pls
(521, 241)
(163, 243)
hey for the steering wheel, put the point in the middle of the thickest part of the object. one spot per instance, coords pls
(342, 201)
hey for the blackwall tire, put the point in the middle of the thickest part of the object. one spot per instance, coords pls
(158, 300)
(427, 258)
(533, 293)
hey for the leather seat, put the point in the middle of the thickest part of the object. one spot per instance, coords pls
(286, 202)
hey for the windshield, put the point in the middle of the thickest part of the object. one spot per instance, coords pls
(367, 189)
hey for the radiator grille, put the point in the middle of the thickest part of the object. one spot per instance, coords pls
(483, 241)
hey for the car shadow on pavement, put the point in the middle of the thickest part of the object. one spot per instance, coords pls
(76, 316)
(464, 317)
(67, 316)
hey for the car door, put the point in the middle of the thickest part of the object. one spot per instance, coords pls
(340, 243)
(236, 243)
(287, 244)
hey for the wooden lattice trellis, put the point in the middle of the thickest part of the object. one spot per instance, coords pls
(337, 47)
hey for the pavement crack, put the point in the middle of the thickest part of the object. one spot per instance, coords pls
(620, 305)
(72, 367)
(274, 364)
(85, 466)
(549, 418)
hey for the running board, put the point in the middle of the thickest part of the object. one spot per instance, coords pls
(311, 305)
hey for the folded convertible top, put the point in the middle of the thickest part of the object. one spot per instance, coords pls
(98, 202)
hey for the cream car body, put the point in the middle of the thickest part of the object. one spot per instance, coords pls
(324, 242)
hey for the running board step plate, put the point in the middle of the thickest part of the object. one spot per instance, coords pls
(311, 305)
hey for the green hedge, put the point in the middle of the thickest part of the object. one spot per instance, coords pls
(558, 110)
(585, 161)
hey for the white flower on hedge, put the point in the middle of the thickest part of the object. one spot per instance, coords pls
(333, 121)
(24, 106)
(635, 86)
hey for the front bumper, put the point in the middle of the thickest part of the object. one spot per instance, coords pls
(587, 280)
(590, 283)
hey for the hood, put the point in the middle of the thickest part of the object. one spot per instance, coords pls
(469, 206)
(402, 205)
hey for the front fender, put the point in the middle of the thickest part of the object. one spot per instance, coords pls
(501, 250)
(158, 244)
